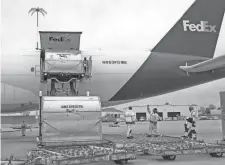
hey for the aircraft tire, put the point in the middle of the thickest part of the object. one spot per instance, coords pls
(216, 155)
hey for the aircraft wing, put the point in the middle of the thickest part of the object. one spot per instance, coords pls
(17, 128)
(18, 108)
(208, 65)
(5, 130)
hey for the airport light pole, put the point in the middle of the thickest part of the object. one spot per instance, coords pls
(4, 91)
(40, 115)
(37, 10)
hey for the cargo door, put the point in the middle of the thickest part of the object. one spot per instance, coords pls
(62, 51)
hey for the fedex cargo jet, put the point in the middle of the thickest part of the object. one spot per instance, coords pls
(182, 58)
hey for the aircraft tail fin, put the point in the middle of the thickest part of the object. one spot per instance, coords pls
(197, 32)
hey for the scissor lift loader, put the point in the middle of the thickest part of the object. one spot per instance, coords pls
(70, 130)
(62, 65)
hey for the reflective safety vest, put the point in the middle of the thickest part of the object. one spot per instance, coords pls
(129, 116)
(193, 113)
(154, 117)
(23, 125)
(85, 63)
(192, 117)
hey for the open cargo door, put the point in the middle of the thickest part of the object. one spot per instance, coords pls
(222, 102)
(60, 41)
(62, 52)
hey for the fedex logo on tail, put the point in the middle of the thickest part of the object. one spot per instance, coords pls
(203, 26)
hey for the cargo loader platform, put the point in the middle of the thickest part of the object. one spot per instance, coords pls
(77, 154)
(73, 154)
(166, 146)
(70, 132)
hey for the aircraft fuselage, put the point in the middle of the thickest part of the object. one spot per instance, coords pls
(126, 75)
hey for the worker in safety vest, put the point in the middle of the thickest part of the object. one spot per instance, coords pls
(190, 124)
(130, 120)
(153, 120)
(23, 128)
(10, 160)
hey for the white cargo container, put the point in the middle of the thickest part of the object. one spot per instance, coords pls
(69, 118)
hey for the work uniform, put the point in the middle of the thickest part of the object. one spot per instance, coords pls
(130, 120)
(23, 128)
(154, 117)
(10, 160)
(190, 125)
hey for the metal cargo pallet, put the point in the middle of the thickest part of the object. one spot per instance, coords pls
(166, 146)
(52, 154)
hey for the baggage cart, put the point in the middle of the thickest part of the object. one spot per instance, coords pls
(166, 146)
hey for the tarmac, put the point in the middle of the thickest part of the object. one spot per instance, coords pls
(209, 130)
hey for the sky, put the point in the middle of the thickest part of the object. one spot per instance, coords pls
(114, 24)
(122, 24)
